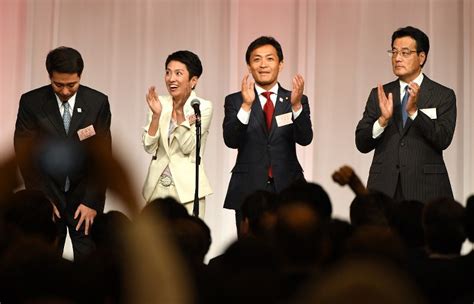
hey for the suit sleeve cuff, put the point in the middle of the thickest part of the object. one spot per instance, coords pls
(149, 140)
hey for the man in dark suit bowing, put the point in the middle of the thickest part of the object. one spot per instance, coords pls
(59, 130)
(409, 122)
(264, 122)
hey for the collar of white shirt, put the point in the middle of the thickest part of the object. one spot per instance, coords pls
(418, 80)
(72, 102)
(273, 96)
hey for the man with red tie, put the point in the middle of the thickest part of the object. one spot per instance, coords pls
(264, 122)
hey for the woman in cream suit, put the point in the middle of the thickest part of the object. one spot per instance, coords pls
(170, 134)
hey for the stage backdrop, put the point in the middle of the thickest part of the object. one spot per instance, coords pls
(339, 46)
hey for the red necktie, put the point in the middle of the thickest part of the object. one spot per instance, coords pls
(268, 109)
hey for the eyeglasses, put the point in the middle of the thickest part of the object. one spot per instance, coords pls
(404, 52)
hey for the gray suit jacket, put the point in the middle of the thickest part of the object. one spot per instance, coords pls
(413, 152)
(259, 148)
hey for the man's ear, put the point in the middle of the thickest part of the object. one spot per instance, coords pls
(280, 66)
(422, 56)
(249, 69)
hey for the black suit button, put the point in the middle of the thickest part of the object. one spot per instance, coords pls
(397, 166)
(402, 144)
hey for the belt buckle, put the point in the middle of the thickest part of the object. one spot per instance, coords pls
(165, 181)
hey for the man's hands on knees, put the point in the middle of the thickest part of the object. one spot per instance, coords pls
(86, 216)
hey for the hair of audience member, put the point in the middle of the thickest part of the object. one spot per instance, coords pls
(259, 209)
(362, 281)
(311, 193)
(339, 232)
(247, 273)
(165, 208)
(406, 219)
(30, 214)
(300, 233)
(378, 243)
(443, 223)
(371, 209)
(470, 218)
(31, 271)
(108, 229)
(193, 237)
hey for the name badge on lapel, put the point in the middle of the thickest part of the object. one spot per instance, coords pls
(430, 112)
(86, 132)
(284, 119)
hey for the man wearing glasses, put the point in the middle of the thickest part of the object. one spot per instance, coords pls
(409, 122)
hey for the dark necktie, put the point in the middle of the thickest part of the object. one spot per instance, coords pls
(404, 105)
(268, 109)
(67, 122)
(66, 116)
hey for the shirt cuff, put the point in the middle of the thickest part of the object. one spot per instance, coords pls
(297, 113)
(377, 129)
(244, 116)
(412, 117)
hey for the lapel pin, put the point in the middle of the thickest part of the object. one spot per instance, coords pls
(79, 110)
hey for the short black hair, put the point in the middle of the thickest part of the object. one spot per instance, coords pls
(422, 40)
(64, 60)
(261, 41)
(444, 225)
(189, 59)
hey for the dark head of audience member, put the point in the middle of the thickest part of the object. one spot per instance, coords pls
(107, 231)
(301, 242)
(379, 243)
(339, 232)
(371, 209)
(31, 268)
(166, 208)
(311, 193)
(193, 238)
(406, 220)
(470, 218)
(443, 223)
(30, 214)
(258, 214)
(246, 273)
(362, 281)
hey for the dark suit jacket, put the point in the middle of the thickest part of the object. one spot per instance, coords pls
(259, 148)
(47, 155)
(415, 152)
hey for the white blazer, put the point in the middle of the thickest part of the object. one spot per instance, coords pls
(178, 152)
